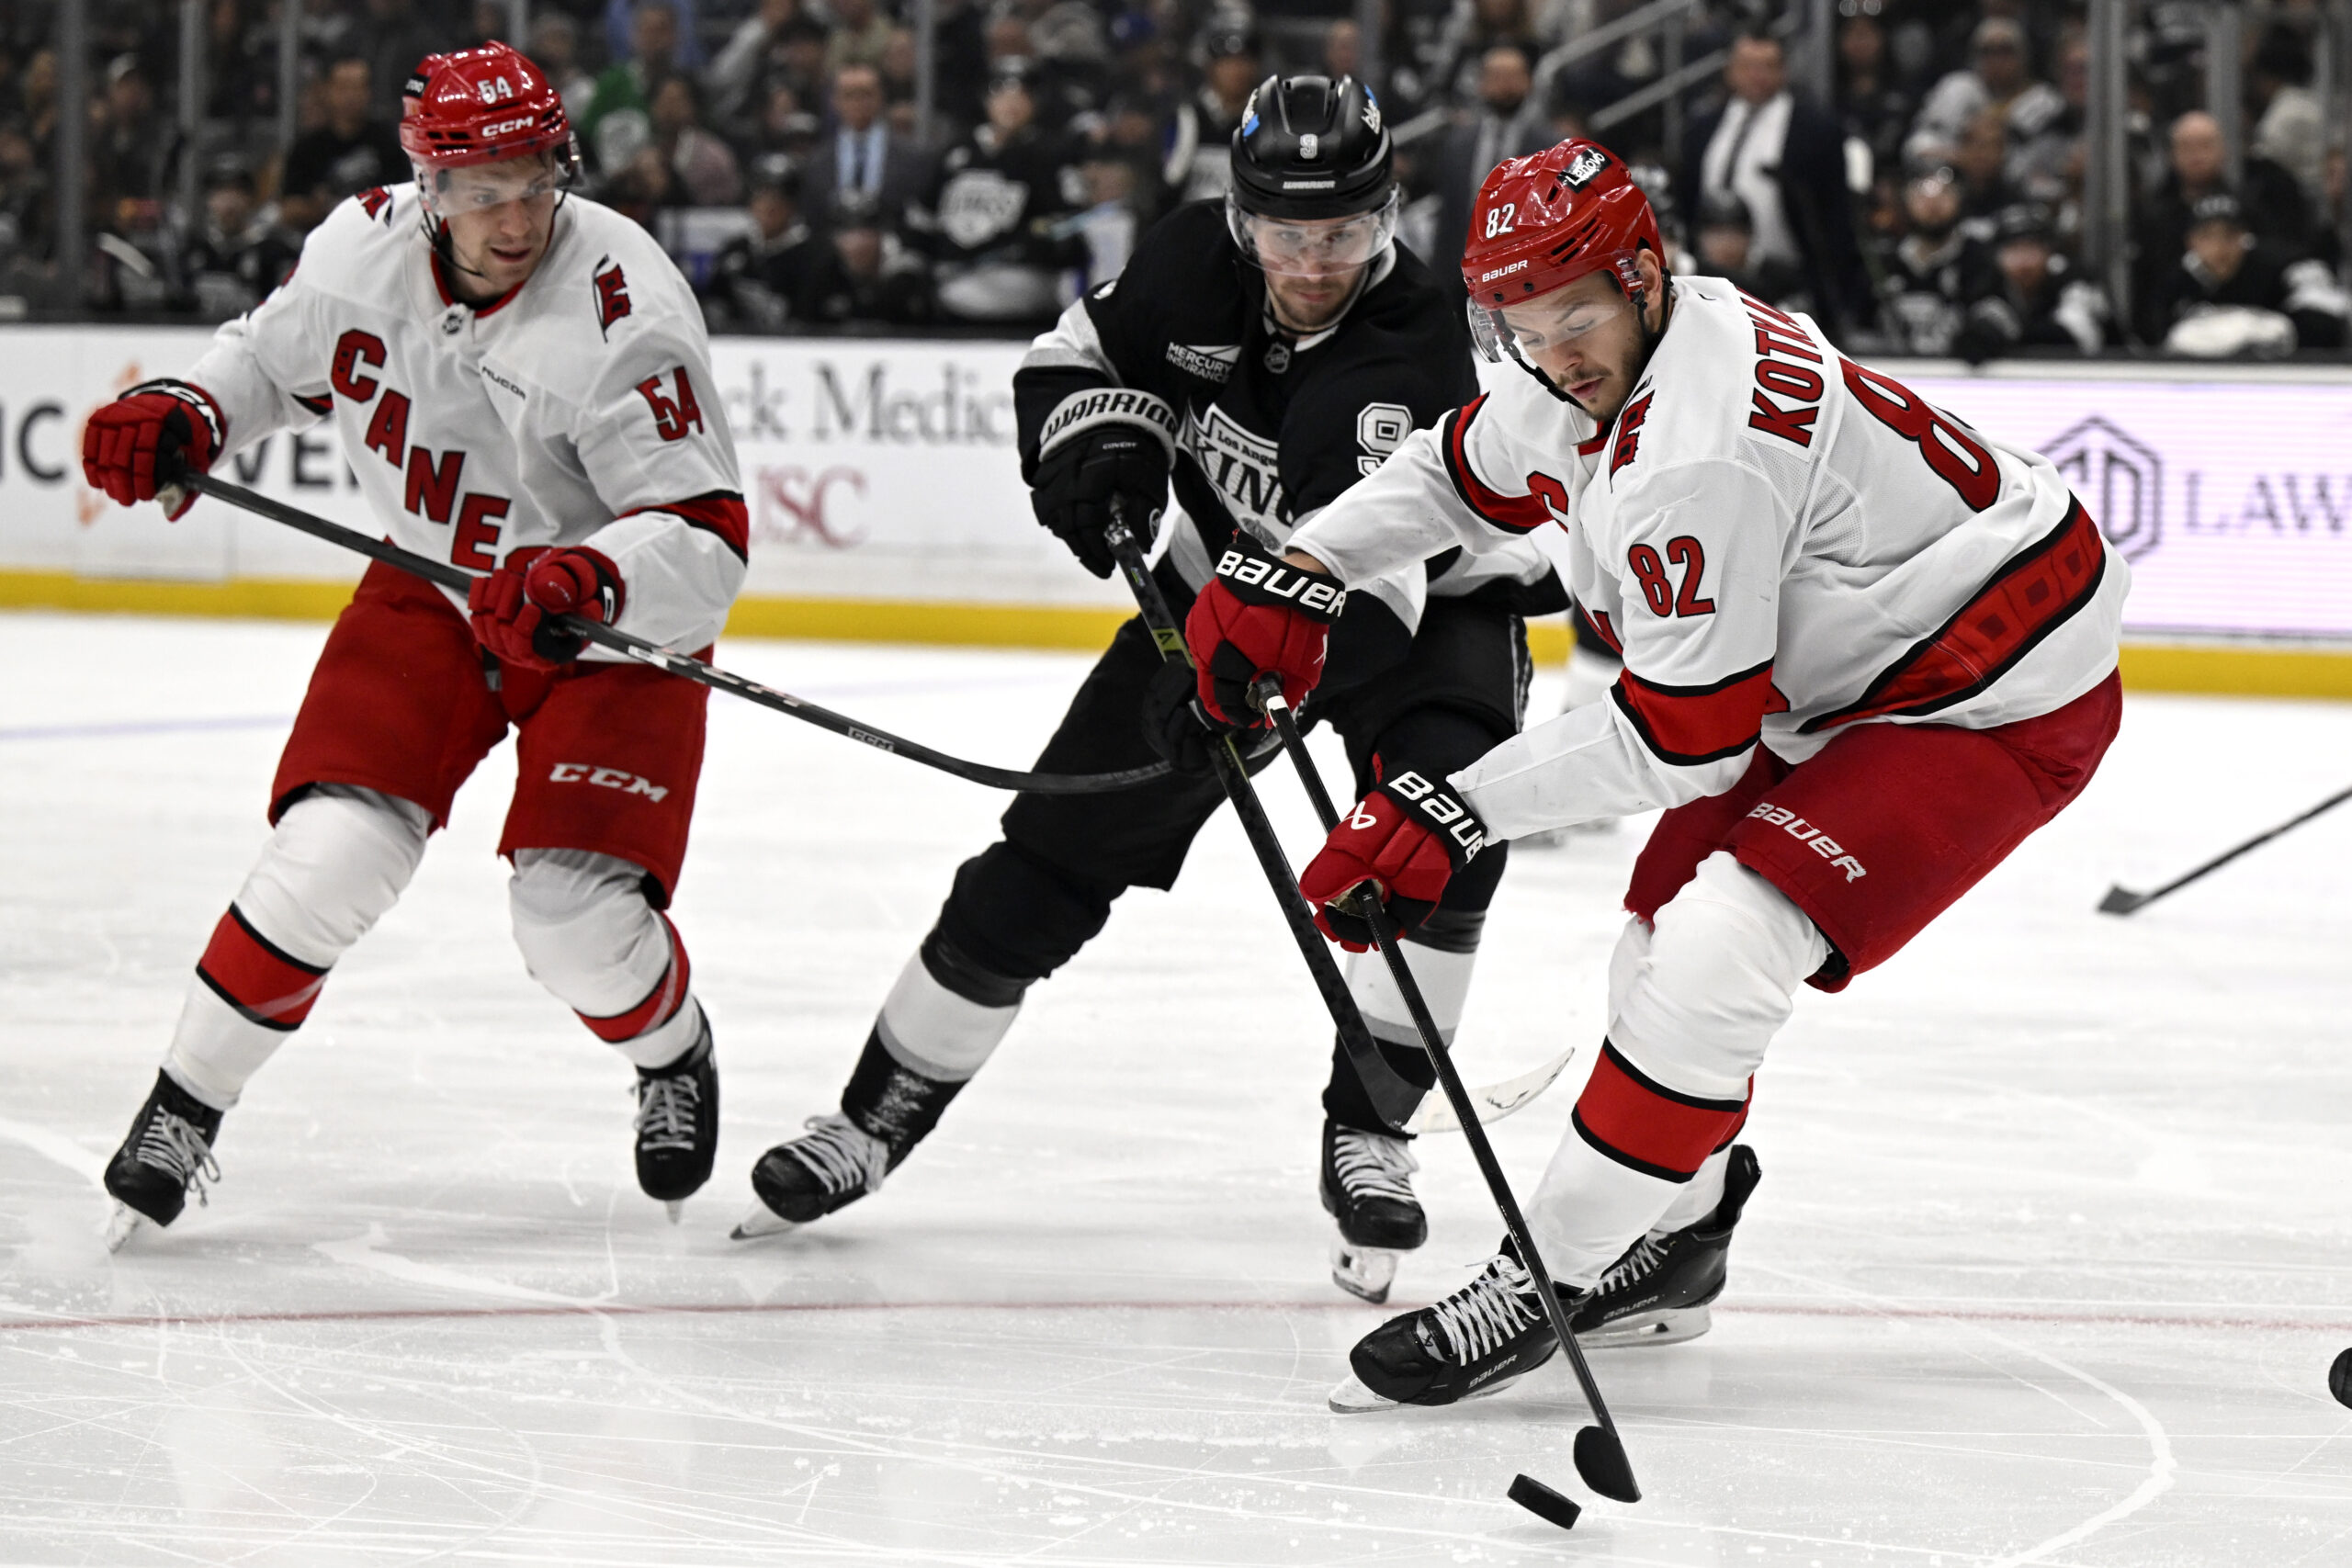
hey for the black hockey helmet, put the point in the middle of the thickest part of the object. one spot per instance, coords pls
(1308, 147)
(1314, 190)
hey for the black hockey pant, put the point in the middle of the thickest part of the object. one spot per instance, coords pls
(1022, 907)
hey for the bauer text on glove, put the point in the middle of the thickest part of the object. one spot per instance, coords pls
(1256, 617)
(1407, 839)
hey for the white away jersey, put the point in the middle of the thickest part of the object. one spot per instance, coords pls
(576, 409)
(1782, 542)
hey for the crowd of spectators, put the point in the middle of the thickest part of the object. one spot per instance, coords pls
(1931, 204)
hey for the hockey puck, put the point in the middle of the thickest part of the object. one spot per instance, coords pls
(2339, 1381)
(1549, 1506)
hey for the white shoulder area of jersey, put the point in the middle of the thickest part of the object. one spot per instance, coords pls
(607, 299)
(1692, 402)
(599, 240)
(362, 240)
(1541, 430)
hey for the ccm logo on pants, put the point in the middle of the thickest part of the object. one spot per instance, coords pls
(1805, 832)
(607, 778)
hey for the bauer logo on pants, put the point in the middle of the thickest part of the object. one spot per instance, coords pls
(1805, 832)
(609, 778)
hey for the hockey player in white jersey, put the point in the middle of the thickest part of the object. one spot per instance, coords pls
(1867, 651)
(521, 384)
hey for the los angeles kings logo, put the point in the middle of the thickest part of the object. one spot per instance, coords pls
(1243, 469)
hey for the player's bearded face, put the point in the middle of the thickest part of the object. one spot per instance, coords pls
(1586, 338)
(1313, 266)
(501, 216)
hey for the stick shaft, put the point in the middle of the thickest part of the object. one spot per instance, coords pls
(1390, 1094)
(2218, 862)
(447, 575)
(1433, 1043)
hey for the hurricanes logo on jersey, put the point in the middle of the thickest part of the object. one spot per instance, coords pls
(612, 295)
(1244, 470)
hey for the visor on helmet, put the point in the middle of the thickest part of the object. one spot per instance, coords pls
(1312, 247)
(1525, 329)
(475, 187)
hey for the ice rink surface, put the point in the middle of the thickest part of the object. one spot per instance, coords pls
(2052, 1251)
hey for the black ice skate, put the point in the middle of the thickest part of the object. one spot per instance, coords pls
(167, 1153)
(677, 1125)
(1659, 1291)
(1492, 1333)
(834, 1163)
(1368, 1186)
(1481, 1340)
(886, 1110)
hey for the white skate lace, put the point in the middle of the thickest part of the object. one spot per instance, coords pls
(172, 1142)
(1372, 1166)
(666, 1112)
(842, 1155)
(1498, 1305)
(1637, 1264)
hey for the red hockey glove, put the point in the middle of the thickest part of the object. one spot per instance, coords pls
(1259, 615)
(513, 608)
(1405, 838)
(150, 437)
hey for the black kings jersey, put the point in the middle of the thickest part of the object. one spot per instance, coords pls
(1267, 428)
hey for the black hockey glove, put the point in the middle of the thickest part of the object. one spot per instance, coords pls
(1078, 480)
(1182, 733)
(1174, 724)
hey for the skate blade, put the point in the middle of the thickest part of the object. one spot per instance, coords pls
(1364, 1272)
(762, 1221)
(1668, 1326)
(120, 1225)
(1353, 1398)
(677, 1209)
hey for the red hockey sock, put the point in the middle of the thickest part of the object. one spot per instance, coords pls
(265, 983)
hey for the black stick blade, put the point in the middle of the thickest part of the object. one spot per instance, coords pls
(2121, 901)
(1600, 1460)
(2339, 1384)
(1549, 1506)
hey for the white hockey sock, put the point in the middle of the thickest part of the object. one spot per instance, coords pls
(1693, 1004)
(1444, 980)
(339, 859)
(1699, 1196)
(588, 935)
(930, 1030)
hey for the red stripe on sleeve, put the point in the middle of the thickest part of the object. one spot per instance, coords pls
(266, 984)
(721, 511)
(1647, 1127)
(661, 1002)
(1518, 513)
(1688, 725)
(1599, 621)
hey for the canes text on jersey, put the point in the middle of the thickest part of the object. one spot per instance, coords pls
(432, 488)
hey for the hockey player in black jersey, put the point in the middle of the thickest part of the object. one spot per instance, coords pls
(1265, 353)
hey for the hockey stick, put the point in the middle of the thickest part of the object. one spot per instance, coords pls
(2122, 900)
(1599, 1452)
(456, 577)
(1391, 1095)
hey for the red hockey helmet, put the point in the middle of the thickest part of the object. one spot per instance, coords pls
(482, 105)
(1542, 222)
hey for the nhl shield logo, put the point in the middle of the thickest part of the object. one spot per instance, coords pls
(1583, 166)
(2119, 477)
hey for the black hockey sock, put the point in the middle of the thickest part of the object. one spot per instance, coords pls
(892, 1102)
(1344, 1100)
